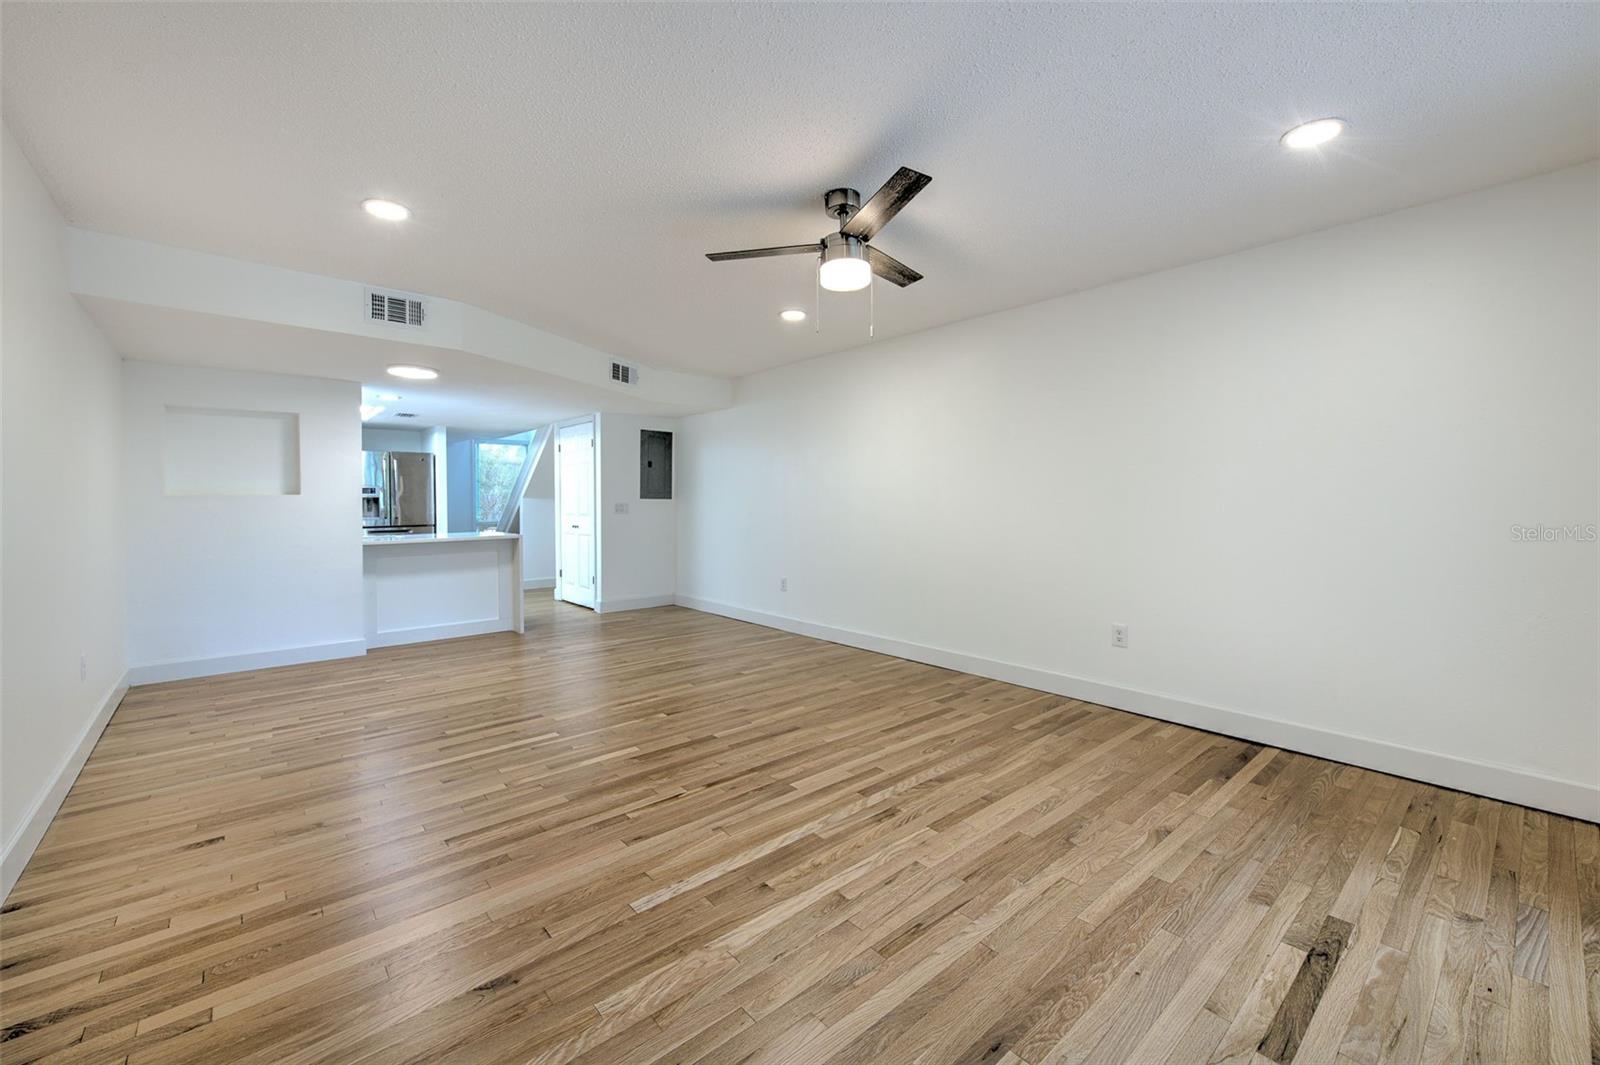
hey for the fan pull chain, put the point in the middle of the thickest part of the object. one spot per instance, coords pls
(872, 308)
(816, 319)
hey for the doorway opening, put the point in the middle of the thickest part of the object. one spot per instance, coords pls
(576, 572)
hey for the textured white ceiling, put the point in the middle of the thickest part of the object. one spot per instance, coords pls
(569, 165)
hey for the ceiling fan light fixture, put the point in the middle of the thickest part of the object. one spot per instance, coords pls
(847, 262)
(846, 275)
(844, 264)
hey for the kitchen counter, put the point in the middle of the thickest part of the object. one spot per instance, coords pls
(436, 587)
(370, 540)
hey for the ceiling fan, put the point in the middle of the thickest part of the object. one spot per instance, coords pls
(847, 261)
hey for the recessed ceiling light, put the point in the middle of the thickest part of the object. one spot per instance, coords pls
(793, 316)
(387, 397)
(1311, 134)
(413, 373)
(387, 210)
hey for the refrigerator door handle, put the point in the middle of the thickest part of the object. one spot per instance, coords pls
(392, 472)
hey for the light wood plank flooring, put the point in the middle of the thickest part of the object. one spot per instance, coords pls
(668, 837)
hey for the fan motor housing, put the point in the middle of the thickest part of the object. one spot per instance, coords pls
(841, 203)
(840, 246)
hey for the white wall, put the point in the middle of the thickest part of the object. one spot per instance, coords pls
(377, 439)
(139, 272)
(458, 487)
(438, 444)
(638, 550)
(61, 553)
(220, 583)
(538, 523)
(1293, 471)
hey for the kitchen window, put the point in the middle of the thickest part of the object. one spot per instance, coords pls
(496, 466)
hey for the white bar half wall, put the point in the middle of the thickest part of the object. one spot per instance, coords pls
(1298, 473)
(420, 588)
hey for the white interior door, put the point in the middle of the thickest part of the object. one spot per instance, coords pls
(575, 485)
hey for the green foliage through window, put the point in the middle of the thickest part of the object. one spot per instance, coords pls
(498, 464)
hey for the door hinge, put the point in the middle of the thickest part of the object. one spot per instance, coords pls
(558, 573)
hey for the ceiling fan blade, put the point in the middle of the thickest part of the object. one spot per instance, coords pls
(885, 203)
(891, 269)
(762, 253)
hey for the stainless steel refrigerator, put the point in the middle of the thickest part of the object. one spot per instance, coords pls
(397, 492)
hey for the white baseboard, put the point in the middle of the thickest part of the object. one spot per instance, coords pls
(20, 847)
(531, 583)
(429, 633)
(157, 672)
(612, 606)
(1571, 797)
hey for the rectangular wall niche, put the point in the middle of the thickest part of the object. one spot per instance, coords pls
(655, 464)
(209, 452)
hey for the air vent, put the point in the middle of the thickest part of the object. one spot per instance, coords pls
(404, 414)
(622, 373)
(397, 310)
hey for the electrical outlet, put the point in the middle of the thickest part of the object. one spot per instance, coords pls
(83, 668)
(619, 508)
(1119, 634)
(783, 584)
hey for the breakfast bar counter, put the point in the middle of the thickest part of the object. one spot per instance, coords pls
(435, 587)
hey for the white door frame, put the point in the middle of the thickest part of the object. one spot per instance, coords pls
(594, 540)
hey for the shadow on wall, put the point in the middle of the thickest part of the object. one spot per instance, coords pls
(539, 524)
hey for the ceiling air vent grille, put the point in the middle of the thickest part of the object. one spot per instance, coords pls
(398, 310)
(622, 373)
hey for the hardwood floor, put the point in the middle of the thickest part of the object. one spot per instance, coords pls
(663, 836)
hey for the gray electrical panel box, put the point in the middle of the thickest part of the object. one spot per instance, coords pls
(655, 464)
